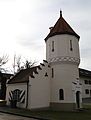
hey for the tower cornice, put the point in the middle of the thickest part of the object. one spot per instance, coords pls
(65, 59)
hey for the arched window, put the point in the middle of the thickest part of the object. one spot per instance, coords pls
(52, 46)
(71, 47)
(16, 94)
(61, 94)
(52, 72)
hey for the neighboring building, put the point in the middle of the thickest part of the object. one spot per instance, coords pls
(55, 83)
(3, 79)
(85, 79)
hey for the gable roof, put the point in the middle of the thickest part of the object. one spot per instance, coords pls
(23, 75)
(84, 73)
(61, 27)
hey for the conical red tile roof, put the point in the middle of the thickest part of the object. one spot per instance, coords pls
(61, 27)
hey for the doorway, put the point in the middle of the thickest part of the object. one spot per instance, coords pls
(78, 99)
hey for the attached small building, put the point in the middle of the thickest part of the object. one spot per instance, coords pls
(30, 87)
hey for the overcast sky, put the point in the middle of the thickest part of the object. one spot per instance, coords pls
(25, 23)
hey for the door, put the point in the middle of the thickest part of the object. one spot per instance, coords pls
(78, 99)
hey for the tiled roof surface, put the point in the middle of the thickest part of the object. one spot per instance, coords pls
(84, 73)
(61, 27)
(23, 75)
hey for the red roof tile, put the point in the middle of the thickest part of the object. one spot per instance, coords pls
(61, 27)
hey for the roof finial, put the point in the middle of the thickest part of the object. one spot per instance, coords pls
(60, 13)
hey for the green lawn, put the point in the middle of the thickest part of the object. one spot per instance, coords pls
(85, 114)
(55, 115)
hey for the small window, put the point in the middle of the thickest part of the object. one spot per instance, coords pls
(61, 94)
(52, 72)
(86, 81)
(71, 48)
(90, 82)
(90, 93)
(46, 75)
(52, 46)
(86, 91)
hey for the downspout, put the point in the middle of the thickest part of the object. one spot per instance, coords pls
(27, 95)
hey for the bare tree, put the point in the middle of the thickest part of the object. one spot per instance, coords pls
(29, 64)
(3, 61)
(20, 63)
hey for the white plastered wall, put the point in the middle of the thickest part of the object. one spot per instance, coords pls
(62, 46)
(64, 75)
(39, 89)
(65, 64)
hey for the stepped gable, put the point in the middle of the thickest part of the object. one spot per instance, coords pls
(84, 73)
(61, 27)
(23, 75)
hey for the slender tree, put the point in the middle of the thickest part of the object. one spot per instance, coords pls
(3, 61)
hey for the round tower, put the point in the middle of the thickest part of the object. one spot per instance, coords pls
(62, 53)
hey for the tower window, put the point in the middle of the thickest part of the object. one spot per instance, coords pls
(52, 46)
(71, 47)
(61, 94)
(52, 72)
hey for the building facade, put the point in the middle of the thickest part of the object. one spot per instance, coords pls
(55, 83)
(3, 80)
(85, 80)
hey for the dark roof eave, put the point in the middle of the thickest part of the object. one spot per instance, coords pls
(87, 76)
(18, 82)
(84, 73)
(60, 33)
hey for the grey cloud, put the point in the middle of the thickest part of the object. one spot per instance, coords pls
(86, 53)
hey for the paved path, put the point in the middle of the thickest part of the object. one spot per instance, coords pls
(4, 116)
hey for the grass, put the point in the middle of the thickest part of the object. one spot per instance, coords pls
(53, 115)
(87, 105)
(59, 115)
